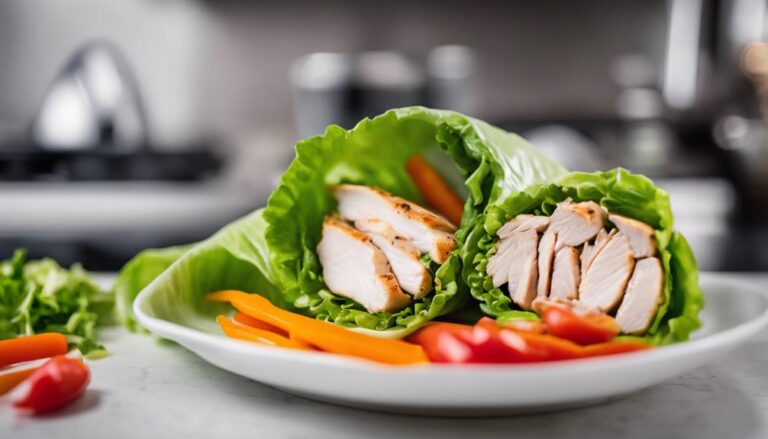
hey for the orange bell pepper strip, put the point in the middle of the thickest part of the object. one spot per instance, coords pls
(33, 347)
(11, 378)
(323, 335)
(435, 190)
(258, 335)
(246, 320)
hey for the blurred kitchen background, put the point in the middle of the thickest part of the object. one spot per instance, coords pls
(143, 123)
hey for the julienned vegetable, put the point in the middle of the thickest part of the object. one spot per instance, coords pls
(324, 336)
(40, 296)
(435, 191)
(34, 347)
(54, 385)
(489, 342)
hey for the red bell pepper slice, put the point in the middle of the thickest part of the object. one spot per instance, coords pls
(583, 330)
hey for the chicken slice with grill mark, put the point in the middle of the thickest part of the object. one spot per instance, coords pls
(604, 282)
(640, 235)
(428, 232)
(355, 268)
(565, 275)
(522, 223)
(403, 257)
(545, 258)
(644, 295)
(576, 223)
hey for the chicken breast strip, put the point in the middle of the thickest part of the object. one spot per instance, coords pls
(591, 250)
(545, 259)
(404, 258)
(428, 232)
(355, 268)
(640, 235)
(576, 223)
(522, 223)
(565, 274)
(644, 295)
(515, 264)
(604, 282)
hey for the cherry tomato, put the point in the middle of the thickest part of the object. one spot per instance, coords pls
(441, 343)
(584, 330)
(55, 384)
(486, 342)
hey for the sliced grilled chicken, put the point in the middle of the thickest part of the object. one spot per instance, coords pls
(645, 293)
(640, 235)
(546, 256)
(355, 268)
(428, 232)
(515, 263)
(403, 257)
(576, 223)
(523, 222)
(523, 273)
(591, 250)
(604, 282)
(565, 274)
(499, 263)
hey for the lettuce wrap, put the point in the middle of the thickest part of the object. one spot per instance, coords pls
(617, 191)
(272, 251)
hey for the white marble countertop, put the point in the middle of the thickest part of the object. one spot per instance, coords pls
(150, 389)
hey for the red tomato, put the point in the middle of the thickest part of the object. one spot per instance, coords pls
(55, 384)
(488, 343)
(584, 330)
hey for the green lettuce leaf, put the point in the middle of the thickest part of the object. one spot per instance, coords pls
(491, 163)
(620, 192)
(136, 275)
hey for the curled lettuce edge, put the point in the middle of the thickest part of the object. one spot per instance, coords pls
(621, 192)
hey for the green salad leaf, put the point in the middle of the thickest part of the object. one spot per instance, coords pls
(137, 274)
(618, 191)
(491, 163)
(41, 296)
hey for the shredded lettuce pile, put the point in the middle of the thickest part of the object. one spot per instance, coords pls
(41, 296)
(618, 191)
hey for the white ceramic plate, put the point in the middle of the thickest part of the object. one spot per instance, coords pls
(734, 312)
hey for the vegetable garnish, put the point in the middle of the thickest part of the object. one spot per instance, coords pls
(583, 330)
(41, 296)
(244, 319)
(35, 347)
(435, 190)
(323, 335)
(11, 378)
(262, 336)
(491, 342)
(54, 385)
